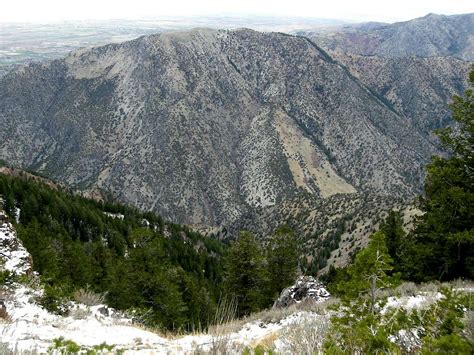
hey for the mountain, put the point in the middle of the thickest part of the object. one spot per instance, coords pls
(27, 42)
(429, 36)
(418, 88)
(207, 126)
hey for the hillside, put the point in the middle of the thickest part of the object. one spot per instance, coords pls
(206, 127)
(169, 275)
(429, 36)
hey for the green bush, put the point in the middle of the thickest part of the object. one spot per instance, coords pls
(54, 299)
(5, 277)
(64, 346)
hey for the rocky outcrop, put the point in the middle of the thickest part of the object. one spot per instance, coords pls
(13, 255)
(306, 289)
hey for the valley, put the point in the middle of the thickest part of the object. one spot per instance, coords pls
(169, 182)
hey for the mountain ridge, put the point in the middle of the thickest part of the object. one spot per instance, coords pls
(193, 124)
(427, 36)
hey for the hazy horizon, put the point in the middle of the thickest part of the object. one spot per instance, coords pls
(55, 11)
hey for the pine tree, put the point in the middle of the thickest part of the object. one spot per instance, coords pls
(245, 274)
(443, 243)
(171, 282)
(392, 227)
(357, 326)
(370, 271)
(282, 259)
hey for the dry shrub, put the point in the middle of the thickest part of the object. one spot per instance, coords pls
(6, 295)
(317, 307)
(460, 284)
(431, 287)
(267, 343)
(88, 297)
(226, 313)
(79, 313)
(224, 318)
(275, 315)
(4, 314)
(305, 337)
(407, 289)
(469, 322)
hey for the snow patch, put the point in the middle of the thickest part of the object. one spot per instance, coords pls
(115, 215)
(412, 302)
(15, 257)
(33, 327)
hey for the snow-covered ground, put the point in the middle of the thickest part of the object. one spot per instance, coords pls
(31, 327)
(413, 302)
(13, 256)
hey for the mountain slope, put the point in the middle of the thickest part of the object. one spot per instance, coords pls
(429, 36)
(418, 88)
(202, 126)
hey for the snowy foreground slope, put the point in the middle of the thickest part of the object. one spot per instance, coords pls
(30, 327)
(296, 327)
(27, 326)
(33, 328)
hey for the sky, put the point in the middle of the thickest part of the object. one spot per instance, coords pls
(44, 11)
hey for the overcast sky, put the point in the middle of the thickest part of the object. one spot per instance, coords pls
(355, 10)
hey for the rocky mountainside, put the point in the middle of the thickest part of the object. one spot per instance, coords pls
(429, 36)
(418, 88)
(208, 126)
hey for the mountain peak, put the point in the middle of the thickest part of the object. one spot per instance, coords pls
(206, 126)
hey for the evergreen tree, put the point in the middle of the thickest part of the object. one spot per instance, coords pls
(370, 271)
(443, 242)
(172, 282)
(282, 260)
(392, 228)
(9, 204)
(246, 275)
(356, 329)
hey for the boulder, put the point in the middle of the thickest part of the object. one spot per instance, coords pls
(306, 289)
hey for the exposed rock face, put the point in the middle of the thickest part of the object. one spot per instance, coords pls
(208, 126)
(428, 36)
(306, 289)
(13, 255)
